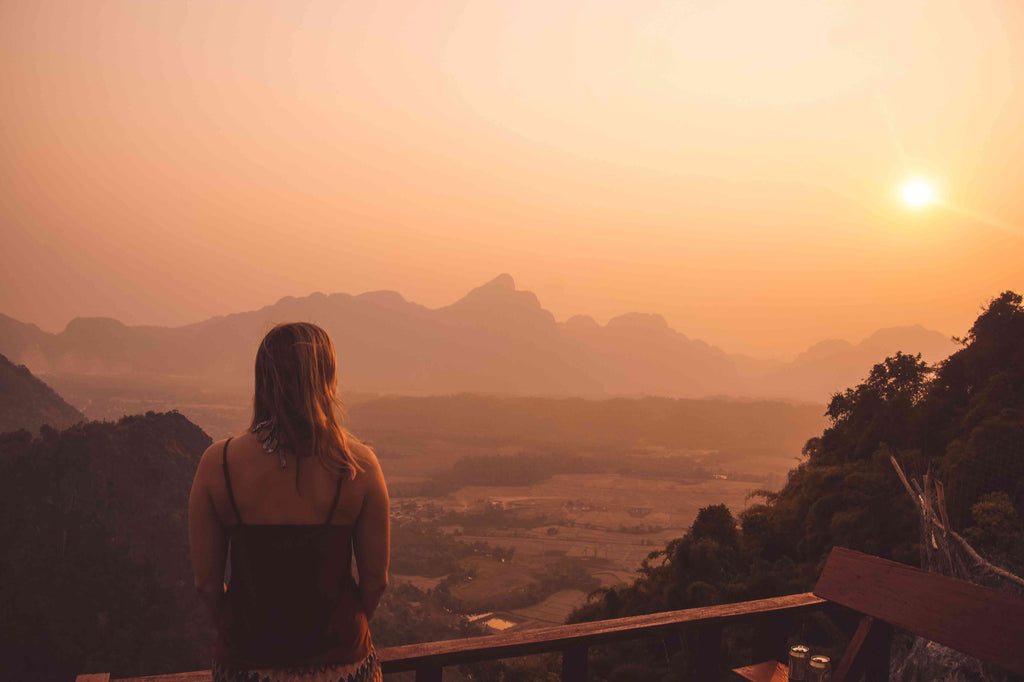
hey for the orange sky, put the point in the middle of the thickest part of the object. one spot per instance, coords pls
(731, 165)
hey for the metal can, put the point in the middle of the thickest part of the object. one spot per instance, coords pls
(798, 659)
(820, 669)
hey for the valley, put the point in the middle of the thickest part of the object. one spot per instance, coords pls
(519, 508)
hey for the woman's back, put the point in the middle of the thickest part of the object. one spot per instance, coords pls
(294, 499)
(301, 493)
(290, 598)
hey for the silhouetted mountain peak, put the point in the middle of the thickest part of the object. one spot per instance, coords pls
(502, 282)
(16, 338)
(581, 323)
(909, 334)
(315, 298)
(28, 403)
(500, 291)
(384, 298)
(912, 339)
(8, 321)
(498, 305)
(639, 321)
(501, 288)
(86, 326)
(825, 349)
(106, 337)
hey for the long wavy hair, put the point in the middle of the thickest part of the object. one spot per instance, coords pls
(295, 405)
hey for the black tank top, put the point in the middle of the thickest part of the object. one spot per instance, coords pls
(291, 598)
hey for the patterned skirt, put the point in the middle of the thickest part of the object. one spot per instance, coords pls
(366, 670)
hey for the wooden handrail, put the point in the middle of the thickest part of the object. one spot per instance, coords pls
(561, 637)
(429, 658)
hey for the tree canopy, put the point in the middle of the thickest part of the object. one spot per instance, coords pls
(962, 420)
(95, 563)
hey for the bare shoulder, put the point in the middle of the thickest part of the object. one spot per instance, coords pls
(366, 458)
(208, 477)
(211, 459)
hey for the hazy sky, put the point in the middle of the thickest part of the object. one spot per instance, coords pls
(732, 165)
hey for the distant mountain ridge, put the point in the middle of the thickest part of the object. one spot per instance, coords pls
(28, 403)
(496, 339)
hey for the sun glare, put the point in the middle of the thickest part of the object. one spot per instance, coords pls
(917, 193)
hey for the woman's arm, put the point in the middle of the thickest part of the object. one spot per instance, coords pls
(372, 538)
(206, 538)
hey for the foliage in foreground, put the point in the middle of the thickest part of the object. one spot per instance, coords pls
(95, 574)
(962, 420)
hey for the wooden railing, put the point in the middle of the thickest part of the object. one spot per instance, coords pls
(769, 616)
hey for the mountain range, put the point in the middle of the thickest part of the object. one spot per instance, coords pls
(496, 339)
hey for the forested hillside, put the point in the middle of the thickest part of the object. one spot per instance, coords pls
(95, 573)
(28, 403)
(962, 420)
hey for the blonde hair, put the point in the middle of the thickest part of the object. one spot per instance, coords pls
(296, 392)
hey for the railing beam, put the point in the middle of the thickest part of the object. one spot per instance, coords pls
(574, 664)
(561, 637)
(428, 659)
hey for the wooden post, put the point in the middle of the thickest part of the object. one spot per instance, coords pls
(867, 653)
(771, 638)
(708, 656)
(431, 674)
(574, 664)
(877, 665)
(672, 640)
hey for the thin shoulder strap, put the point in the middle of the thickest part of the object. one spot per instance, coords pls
(334, 504)
(227, 479)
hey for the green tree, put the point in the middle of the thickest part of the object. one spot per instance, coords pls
(962, 420)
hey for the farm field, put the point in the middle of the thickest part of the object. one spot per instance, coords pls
(551, 611)
(608, 522)
(610, 501)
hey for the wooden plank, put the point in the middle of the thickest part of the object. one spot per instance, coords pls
(194, 676)
(93, 677)
(574, 664)
(972, 619)
(558, 638)
(771, 671)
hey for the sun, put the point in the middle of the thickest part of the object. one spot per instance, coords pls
(917, 193)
